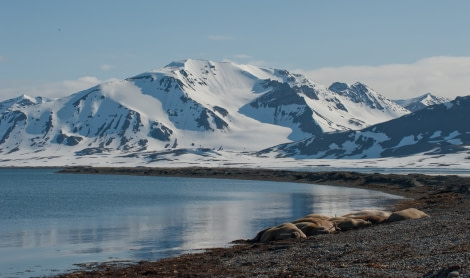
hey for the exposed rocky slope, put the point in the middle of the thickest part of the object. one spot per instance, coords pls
(436, 130)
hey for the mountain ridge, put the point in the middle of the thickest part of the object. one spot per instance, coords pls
(420, 102)
(185, 106)
(434, 130)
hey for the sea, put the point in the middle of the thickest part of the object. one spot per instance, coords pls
(53, 223)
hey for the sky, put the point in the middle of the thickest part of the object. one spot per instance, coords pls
(400, 48)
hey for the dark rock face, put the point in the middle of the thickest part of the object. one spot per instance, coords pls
(288, 107)
(339, 87)
(205, 120)
(11, 120)
(68, 140)
(170, 82)
(160, 132)
(357, 93)
(91, 151)
(281, 94)
(221, 111)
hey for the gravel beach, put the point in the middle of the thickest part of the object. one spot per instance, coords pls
(438, 246)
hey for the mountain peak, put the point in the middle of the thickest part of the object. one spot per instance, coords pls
(176, 64)
(360, 93)
(23, 97)
(423, 101)
(339, 87)
(21, 101)
(194, 63)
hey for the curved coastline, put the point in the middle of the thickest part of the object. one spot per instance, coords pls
(423, 247)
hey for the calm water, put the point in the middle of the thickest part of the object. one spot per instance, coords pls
(49, 221)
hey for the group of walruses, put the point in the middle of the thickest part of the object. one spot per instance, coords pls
(314, 224)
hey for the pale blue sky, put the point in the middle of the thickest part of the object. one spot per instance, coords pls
(400, 48)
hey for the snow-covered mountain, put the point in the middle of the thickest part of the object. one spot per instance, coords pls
(188, 105)
(21, 101)
(435, 130)
(418, 103)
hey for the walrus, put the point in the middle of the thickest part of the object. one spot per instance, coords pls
(370, 212)
(280, 232)
(257, 238)
(371, 215)
(410, 213)
(316, 228)
(347, 223)
(338, 219)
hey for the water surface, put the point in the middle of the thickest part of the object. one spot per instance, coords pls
(49, 221)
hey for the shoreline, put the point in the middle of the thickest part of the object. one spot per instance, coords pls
(406, 185)
(402, 246)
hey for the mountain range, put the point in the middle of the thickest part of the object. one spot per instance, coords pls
(195, 105)
(435, 130)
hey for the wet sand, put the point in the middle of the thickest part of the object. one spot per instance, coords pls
(438, 246)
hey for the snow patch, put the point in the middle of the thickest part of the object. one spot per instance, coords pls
(436, 134)
(407, 140)
(452, 135)
(455, 141)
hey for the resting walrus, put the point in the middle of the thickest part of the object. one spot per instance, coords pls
(347, 223)
(405, 214)
(283, 231)
(316, 226)
(372, 215)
